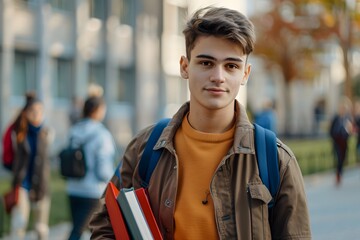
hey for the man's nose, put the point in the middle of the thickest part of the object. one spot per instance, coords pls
(218, 75)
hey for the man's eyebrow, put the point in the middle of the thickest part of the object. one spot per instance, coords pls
(233, 59)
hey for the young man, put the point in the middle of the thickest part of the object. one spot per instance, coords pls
(206, 184)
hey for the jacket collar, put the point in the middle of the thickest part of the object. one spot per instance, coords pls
(243, 138)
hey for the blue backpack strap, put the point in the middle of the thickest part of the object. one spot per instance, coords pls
(266, 153)
(117, 170)
(150, 157)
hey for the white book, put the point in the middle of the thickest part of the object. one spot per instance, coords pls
(133, 214)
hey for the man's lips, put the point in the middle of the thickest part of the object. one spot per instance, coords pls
(215, 90)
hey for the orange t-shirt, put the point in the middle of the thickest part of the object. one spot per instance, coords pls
(199, 155)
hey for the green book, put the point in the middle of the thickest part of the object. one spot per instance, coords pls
(133, 214)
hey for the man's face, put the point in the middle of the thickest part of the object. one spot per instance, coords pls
(215, 72)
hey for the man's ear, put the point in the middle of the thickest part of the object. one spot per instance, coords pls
(184, 63)
(247, 71)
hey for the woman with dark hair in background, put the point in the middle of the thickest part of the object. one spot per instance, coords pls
(31, 169)
(100, 153)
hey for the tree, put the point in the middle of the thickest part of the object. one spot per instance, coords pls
(340, 20)
(284, 40)
(293, 33)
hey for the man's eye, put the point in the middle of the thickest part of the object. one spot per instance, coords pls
(206, 63)
(232, 66)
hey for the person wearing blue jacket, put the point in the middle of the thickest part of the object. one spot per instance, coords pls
(267, 116)
(100, 154)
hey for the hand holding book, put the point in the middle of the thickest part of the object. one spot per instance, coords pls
(130, 214)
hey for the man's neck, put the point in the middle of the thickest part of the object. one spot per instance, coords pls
(211, 122)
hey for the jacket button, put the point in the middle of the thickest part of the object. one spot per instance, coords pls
(168, 203)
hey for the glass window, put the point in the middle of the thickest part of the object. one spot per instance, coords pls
(62, 4)
(126, 85)
(63, 79)
(24, 73)
(127, 8)
(97, 74)
(98, 9)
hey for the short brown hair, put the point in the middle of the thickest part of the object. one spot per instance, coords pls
(220, 22)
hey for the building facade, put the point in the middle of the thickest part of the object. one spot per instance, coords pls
(129, 47)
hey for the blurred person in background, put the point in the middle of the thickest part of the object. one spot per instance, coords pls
(95, 90)
(31, 169)
(267, 116)
(75, 113)
(100, 153)
(340, 129)
(77, 103)
(319, 115)
(357, 128)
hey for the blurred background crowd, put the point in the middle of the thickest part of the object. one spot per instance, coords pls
(307, 57)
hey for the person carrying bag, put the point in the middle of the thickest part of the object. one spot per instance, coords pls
(30, 170)
(92, 143)
(73, 159)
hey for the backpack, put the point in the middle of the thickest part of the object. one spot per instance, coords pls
(7, 148)
(266, 152)
(73, 160)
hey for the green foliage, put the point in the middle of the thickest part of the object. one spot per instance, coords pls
(4, 219)
(59, 211)
(356, 86)
(316, 155)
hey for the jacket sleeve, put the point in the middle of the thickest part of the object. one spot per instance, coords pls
(100, 225)
(104, 158)
(290, 215)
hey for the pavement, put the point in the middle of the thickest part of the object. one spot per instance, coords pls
(57, 232)
(334, 210)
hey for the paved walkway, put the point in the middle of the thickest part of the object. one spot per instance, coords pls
(58, 232)
(334, 210)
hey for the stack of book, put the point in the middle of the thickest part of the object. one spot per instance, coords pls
(130, 214)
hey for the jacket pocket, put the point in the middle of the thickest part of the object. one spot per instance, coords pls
(259, 197)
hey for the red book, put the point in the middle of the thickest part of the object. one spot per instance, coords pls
(116, 218)
(146, 208)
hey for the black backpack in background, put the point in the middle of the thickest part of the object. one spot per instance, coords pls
(72, 161)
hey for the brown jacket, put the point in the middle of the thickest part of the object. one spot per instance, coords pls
(240, 199)
(41, 174)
